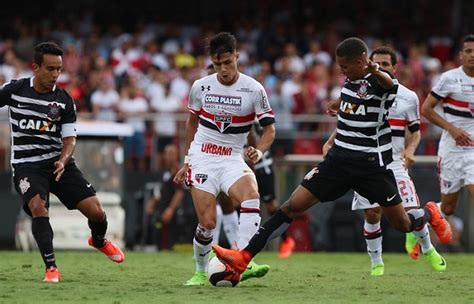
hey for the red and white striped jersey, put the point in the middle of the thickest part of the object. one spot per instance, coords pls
(226, 113)
(404, 113)
(456, 89)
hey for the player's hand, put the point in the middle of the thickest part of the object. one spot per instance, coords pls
(254, 155)
(326, 147)
(181, 175)
(409, 159)
(59, 169)
(333, 107)
(461, 137)
(371, 67)
(167, 215)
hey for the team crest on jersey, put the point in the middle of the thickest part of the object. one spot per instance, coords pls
(24, 185)
(222, 121)
(200, 178)
(362, 92)
(54, 112)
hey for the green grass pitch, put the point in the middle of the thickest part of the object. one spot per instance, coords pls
(89, 277)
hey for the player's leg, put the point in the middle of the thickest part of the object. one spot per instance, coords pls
(205, 206)
(97, 221)
(449, 202)
(33, 186)
(217, 230)
(230, 219)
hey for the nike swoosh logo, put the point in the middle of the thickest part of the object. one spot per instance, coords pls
(21, 106)
(391, 198)
(249, 267)
(88, 185)
(205, 253)
(443, 262)
(48, 255)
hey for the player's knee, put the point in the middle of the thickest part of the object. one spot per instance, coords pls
(208, 223)
(448, 209)
(290, 210)
(38, 208)
(373, 215)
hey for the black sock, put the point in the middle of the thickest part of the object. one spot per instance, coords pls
(284, 235)
(43, 234)
(270, 229)
(98, 230)
(418, 218)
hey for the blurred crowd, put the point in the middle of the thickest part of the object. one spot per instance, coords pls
(142, 76)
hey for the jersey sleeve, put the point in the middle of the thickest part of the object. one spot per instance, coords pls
(6, 92)
(413, 114)
(194, 100)
(441, 88)
(263, 109)
(68, 119)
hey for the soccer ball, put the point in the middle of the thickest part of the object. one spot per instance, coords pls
(220, 275)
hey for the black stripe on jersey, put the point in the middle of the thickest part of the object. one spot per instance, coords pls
(359, 141)
(414, 127)
(28, 140)
(266, 121)
(367, 103)
(366, 131)
(229, 130)
(398, 133)
(32, 153)
(436, 95)
(368, 117)
(457, 113)
(385, 139)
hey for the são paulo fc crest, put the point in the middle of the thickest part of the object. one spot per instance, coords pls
(222, 121)
(362, 92)
(54, 112)
(200, 178)
(24, 185)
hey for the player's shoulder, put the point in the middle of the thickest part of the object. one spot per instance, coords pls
(16, 84)
(452, 75)
(63, 95)
(407, 94)
(206, 79)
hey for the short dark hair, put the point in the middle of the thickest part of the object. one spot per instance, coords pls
(43, 48)
(351, 48)
(224, 42)
(385, 50)
(467, 38)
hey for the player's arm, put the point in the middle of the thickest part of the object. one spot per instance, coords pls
(459, 135)
(190, 130)
(69, 144)
(252, 138)
(329, 143)
(383, 78)
(412, 142)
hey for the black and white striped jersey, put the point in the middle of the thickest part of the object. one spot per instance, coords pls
(363, 131)
(38, 121)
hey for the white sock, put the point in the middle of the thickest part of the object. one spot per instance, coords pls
(249, 221)
(202, 243)
(373, 238)
(423, 237)
(217, 230)
(231, 228)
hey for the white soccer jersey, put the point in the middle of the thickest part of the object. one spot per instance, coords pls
(404, 113)
(456, 89)
(226, 114)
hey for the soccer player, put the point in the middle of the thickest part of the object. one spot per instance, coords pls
(222, 108)
(455, 89)
(403, 114)
(358, 159)
(42, 119)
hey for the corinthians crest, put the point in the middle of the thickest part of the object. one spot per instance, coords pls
(362, 92)
(24, 185)
(54, 112)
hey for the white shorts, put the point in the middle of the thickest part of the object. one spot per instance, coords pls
(455, 171)
(215, 174)
(406, 189)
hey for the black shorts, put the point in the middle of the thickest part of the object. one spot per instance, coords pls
(33, 179)
(334, 177)
(266, 184)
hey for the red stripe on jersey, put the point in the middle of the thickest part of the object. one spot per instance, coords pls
(457, 103)
(397, 122)
(249, 210)
(261, 114)
(194, 111)
(235, 118)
